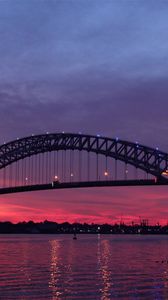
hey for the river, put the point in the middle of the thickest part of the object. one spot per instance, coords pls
(91, 267)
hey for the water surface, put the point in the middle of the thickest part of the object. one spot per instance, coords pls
(91, 267)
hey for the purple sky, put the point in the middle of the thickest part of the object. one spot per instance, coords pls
(88, 65)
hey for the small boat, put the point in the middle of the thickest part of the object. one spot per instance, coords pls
(74, 237)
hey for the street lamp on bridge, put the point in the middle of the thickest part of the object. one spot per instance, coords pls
(106, 174)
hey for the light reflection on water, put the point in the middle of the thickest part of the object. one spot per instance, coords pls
(92, 267)
(54, 270)
(103, 258)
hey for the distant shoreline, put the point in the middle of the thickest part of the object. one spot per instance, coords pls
(84, 233)
(48, 227)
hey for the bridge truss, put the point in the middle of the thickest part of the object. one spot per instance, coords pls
(75, 158)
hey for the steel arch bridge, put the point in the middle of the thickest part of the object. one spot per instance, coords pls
(151, 161)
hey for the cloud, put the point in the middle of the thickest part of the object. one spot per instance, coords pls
(91, 205)
(130, 110)
(51, 39)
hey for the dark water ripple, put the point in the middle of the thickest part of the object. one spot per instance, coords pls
(92, 267)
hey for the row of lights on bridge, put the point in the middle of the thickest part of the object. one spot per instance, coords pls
(98, 135)
(72, 175)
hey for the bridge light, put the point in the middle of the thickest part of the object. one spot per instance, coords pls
(72, 175)
(117, 138)
(63, 131)
(157, 148)
(47, 132)
(105, 173)
(165, 173)
(98, 135)
(56, 177)
(126, 171)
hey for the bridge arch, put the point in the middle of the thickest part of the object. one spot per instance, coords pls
(148, 159)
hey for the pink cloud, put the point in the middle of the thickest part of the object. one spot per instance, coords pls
(87, 205)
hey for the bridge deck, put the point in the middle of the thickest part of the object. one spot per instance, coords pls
(84, 184)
